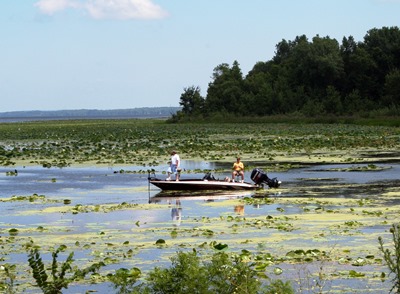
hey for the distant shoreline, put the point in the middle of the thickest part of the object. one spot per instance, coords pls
(30, 119)
(38, 115)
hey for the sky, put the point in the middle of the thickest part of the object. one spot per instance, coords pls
(119, 54)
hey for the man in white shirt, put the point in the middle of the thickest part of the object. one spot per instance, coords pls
(175, 165)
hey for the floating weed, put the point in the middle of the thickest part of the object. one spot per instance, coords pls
(219, 246)
(352, 224)
(363, 202)
(301, 255)
(160, 242)
(174, 233)
(374, 213)
(32, 198)
(355, 274)
(13, 232)
(208, 233)
(104, 208)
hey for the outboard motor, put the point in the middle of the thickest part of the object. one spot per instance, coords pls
(258, 176)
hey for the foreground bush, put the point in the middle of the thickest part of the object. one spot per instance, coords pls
(224, 274)
(392, 258)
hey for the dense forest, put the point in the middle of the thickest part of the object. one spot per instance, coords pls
(307, 78)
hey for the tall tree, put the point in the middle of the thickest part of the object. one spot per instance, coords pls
(383, 46)
(225, 92)
(191, 101)
(392, 89)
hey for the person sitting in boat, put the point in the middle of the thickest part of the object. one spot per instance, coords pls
(175, 166)
(238, 169)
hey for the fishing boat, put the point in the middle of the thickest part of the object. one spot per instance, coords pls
(209, 182)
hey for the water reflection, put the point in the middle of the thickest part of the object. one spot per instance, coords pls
(176, 213)
(198, 195)
(239, 209)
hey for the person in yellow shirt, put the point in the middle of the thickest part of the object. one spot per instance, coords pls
(238, 169)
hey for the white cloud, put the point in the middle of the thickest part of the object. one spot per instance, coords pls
(106, 9)
(53, 6)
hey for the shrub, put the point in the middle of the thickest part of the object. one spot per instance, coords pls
(224, 274)
(59, 278)
(392, 258)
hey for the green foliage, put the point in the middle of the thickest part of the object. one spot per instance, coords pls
(338, 79)
(392, 257)
(228, 274)
(279, 287)
(186, 275)
(7, 275)
(146, 142)
(392, 88)
(191, 101)
(58, 279)
(124, 279)
(224, 274)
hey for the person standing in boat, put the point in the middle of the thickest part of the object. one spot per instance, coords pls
(175, 165)
(238, 169)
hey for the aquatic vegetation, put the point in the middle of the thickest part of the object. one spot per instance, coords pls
(124, 280)
(13, 232)
(224, 273)
(7, 278)
(146, 142)
(59, 273)
(392, 257)
(32, 198)
(273, 232)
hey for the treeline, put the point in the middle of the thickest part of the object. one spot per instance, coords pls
(315, 77)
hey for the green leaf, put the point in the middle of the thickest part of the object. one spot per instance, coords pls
(160, 242)
(220, 246)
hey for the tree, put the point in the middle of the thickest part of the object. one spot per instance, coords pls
(225, 92)
(312, 77)
(392, 89)
(332, 102)
(191, 101)
(383, 47)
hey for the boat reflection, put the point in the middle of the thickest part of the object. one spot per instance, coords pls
(174, 198)
(198, 195)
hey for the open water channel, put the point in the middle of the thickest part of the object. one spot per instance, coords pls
(113, 214)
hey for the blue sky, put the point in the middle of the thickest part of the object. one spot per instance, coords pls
(115, 54)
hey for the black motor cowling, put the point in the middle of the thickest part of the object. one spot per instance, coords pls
(258, 176)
